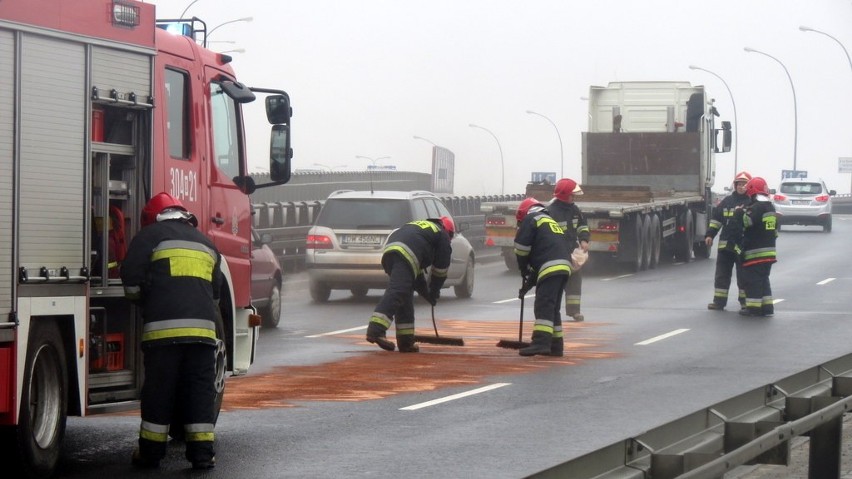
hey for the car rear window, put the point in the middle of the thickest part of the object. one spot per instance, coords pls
(364, 214)
(801, 188)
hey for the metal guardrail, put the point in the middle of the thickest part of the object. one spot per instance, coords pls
(753, 428)
(289, 221)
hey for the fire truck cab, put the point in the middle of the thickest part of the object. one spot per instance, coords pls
(102, 108)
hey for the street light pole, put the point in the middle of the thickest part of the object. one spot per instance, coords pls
(244, 19)
(809, 29)
(795, 111)
(734, 105)
(502, 167)
(187, 8)
(426, 140)
(561, 156)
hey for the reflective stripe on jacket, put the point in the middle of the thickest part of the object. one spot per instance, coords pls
(540, 246)
(173, 271)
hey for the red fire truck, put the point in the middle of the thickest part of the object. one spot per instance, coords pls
(101, 107)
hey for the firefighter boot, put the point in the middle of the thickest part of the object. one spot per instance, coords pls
(376, 335)
(557, 347)
(715, 307)
(406, 343)
(578, 317)
(540, 344)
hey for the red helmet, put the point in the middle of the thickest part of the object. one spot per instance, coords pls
(160, 203)
(756, 186)
(565, 189)
(449, 225)
(743, 176)
(524, 208)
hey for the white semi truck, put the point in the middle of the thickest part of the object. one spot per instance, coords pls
(648, 167)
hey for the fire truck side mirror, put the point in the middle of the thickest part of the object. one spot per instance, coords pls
(278, 110)
(245, 184)
(237, 91)
(280, 154)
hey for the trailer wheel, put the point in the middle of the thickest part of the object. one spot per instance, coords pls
(639, 248)
(44, 404)
(683, 239)
(510, 260)
(646, 242)
(656, 242)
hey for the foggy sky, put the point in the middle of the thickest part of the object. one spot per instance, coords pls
(365, 77)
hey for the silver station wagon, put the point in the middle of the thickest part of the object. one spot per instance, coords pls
(344, 247)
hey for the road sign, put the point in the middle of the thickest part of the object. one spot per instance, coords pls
(794, 174)
(844, 164)
(543, 176)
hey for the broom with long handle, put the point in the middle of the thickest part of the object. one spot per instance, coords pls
(520, 343)
(445, 340)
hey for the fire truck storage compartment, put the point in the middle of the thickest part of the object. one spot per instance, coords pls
(112, 354)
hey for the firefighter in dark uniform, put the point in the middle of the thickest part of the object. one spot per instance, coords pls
(563, 210)
(726, 257)
(410, 251)
(542, 254)
(757, 231)
(173, 272)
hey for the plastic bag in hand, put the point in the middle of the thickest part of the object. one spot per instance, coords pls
(579, 258)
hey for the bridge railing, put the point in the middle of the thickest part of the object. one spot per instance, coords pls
(288, 223)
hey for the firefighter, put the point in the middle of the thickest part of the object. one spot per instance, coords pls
(173, 272)
(727, 256)
(563, 210)
(542, 254)
(410, 251)
(756, 225)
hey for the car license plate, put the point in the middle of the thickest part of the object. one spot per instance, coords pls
(801, 202)
(363, 240)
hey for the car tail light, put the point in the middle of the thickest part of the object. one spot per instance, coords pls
(318, 242)
(822, 198)
(495, 220)
(778, 197)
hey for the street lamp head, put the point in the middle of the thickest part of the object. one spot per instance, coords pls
(749, 50)
(530, 112)
(693, 67)
(806, 29)
(474, 126)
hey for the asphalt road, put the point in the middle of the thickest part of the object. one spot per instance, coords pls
(320, 402)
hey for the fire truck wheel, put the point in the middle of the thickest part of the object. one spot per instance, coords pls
(44, 402)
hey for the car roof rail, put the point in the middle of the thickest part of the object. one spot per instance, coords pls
(422, 193)
(338, 192)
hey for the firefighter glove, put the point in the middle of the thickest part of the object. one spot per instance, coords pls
(434, 294)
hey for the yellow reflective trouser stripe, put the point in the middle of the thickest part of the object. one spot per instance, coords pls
(178, 333)
(200, 436)
(187, 262)
(199, 432)
(544, 325)
(154, 432)
(557, 332)
(572, 299)
(382, 320)
(404, 329)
